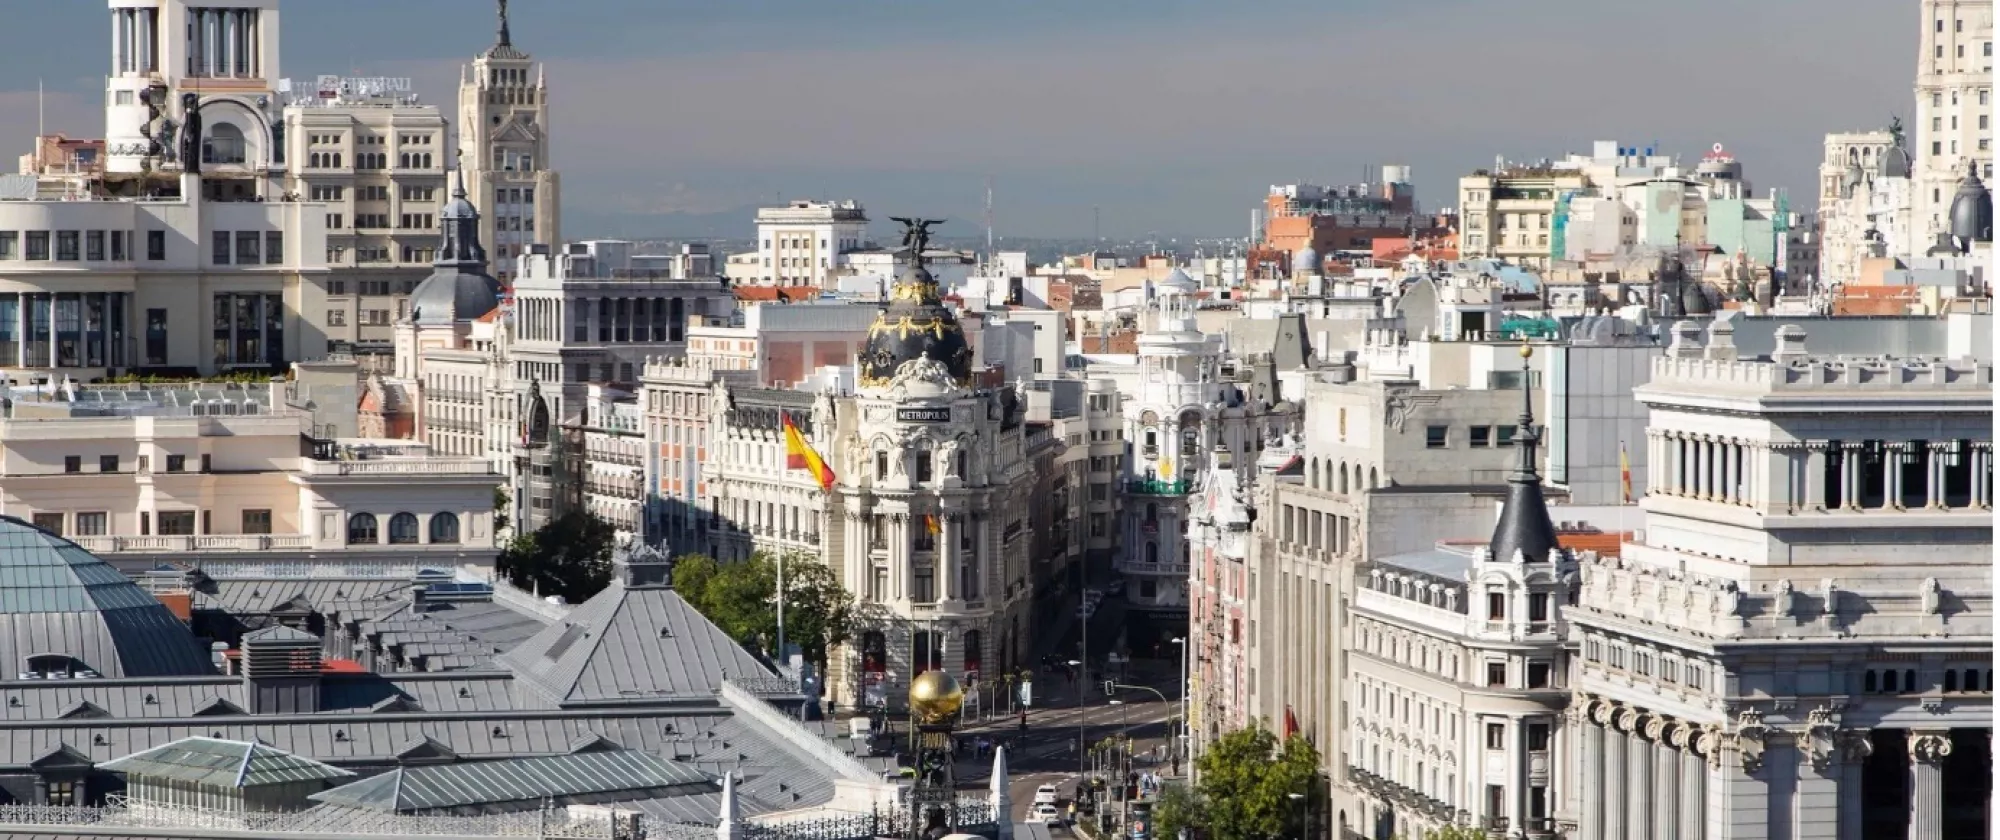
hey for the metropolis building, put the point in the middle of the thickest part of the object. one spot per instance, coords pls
(927, 519)
(1799, 645)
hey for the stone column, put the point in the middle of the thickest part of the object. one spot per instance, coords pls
(1854, 749)
(1982, 456)
(1639, 781)
(1892, 478)
(1590, 785)
(1937, 474)
(945, 557)
(1850, 476)
(1732, 471)
(1666, 785)
(1615, 789)
(1703, 460)
(1691, 822)
(1814, 483)
(1928, 750)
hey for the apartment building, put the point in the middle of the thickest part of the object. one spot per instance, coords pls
(801, 243)
(377, 159)
(158, 474)
(1954, 113)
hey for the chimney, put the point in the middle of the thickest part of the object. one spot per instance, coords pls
(1687, 341)
(281, 671)
(1722, 339)
(1791, 345)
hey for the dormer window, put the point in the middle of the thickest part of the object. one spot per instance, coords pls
(55, 666)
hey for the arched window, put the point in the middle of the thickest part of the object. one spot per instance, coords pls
(361, 529)
(1343, 477)
(44, 665)
(403, 529)
(1312, 475)
(1373, 479)
(1152, 552)
(403, 161)
(874, 652)
(427, 160)
(444, 527)
(224, 144)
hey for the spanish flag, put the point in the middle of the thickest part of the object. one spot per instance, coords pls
(931, 523)
(1625, 472)
(799, 455)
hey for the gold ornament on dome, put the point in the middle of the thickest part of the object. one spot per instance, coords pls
(935, 697)
(914, 292)
(905, 325)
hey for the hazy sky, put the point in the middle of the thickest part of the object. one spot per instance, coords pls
(1170, 115)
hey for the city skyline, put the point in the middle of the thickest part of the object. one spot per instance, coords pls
(1097, 110)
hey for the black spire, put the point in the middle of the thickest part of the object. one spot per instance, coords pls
(460, 244)
(1524, 524)
(506, 37)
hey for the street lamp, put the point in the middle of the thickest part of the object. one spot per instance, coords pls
(1301, 799)
(1183, 740)
(1082, 746)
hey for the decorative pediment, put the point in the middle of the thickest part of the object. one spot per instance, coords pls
(61, 756)
(425, 748)
(515, 131)
(395, 703)
(83, 710)
(218, 707)
(591, 742)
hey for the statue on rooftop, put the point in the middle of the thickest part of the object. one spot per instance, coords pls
(916, 235)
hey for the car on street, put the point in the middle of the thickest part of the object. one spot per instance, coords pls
(1046, 795)
(1048, 815)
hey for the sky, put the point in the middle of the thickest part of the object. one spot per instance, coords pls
(1127, 118)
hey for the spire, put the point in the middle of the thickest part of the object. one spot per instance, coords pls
(1524, 527)
(1003, 802)
(727, 827)
(506, 37)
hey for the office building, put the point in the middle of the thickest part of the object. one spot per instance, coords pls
(504, 135)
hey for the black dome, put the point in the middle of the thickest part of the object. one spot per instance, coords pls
(915, 325)
(1972, 210)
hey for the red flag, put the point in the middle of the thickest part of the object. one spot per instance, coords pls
(1291, 723)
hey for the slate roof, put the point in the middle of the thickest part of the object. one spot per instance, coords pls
(236, 764)
(56, 598)
(521, 780)
(612, 649)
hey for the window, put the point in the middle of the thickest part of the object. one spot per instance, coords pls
(177, 463)
(93, 245)
(274, 247)
(1435, 437)
(107, 463)
(10, 245)
(92, 524)
(1538, 675)
(38, 245)
(403, 529)
(156, 245)
(220, 247)
(177, 523)
(1496, 606)
(62, 794)
(1538, 737)
(120, 246)
(66, 246)
(361, 529)
(444, 528)
(72, 463)
(1479, 437)
(1496, 673)
(246, 248)
(336, 317)
(50, 522)
(1496, 736)
(257, 521)
(1538, 606)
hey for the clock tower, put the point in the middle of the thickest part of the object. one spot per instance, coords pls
(504, 132)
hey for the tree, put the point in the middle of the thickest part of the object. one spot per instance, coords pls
(1176, 808)
(1247, 782)
(570, 557)
(502, 503)
(741, 598)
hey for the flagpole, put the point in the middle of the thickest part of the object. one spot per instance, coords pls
(781, 608)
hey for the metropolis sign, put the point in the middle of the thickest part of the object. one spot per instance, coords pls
(332, 87)
(924, 415)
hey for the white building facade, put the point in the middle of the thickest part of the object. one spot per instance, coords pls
(1954, 89)
(504, 134)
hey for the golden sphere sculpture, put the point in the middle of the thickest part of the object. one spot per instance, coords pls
(935, 697)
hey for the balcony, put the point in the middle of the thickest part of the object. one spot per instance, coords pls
(1141, 567)
(1156, 487)
(431, 467)
(208, 543)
